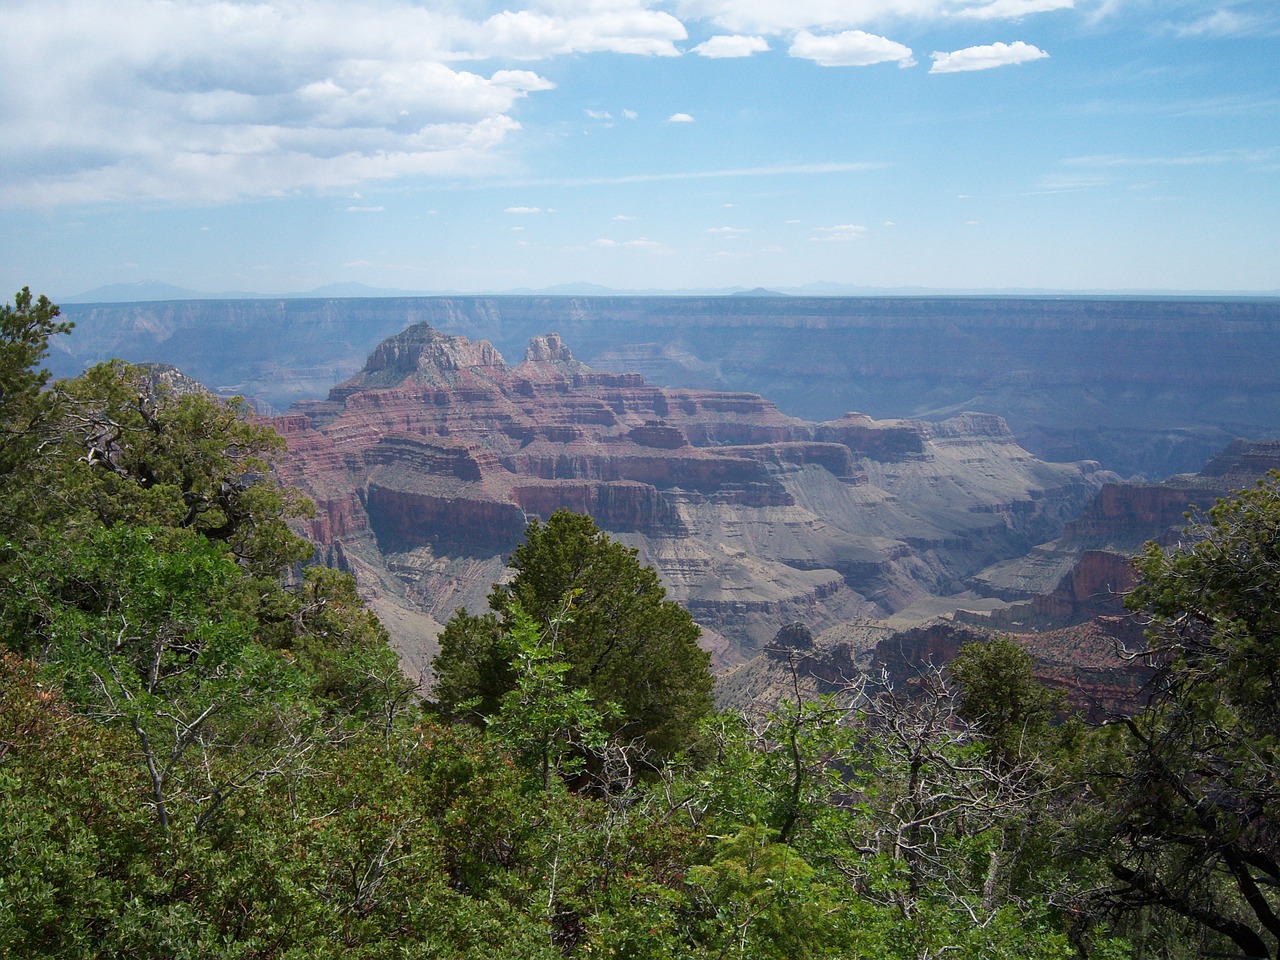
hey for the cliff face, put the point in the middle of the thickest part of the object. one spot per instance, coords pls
(427, 464)
(1141, 385)
(1091, 663)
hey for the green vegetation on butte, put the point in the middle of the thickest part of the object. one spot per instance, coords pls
(207, 747)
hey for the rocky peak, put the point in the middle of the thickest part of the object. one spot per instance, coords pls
(426, 355)
(791, 638)
(547, 348)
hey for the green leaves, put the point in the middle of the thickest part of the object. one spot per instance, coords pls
(626, 644)
(1197, 816)
(25, 329)
(541, 717)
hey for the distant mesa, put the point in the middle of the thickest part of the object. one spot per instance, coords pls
(758, 292)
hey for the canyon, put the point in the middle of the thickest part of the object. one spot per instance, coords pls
(426, 466)
(936, 515)
(1145, 386)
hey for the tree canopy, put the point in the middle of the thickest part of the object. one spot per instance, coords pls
(625, 644)
(1197, 813)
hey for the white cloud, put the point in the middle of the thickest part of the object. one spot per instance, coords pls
(986, 57)
(1220, 23)
(640, 243)
(853, 48)
(523, 210)
(728, 231)
(629, 114)
(626, 27)
(622, 218)
(205, 101)
(725, 46)
(839, 232)
(779, 17)
(365, 209)
(599, 114)
(1013, 9)
(680, 118)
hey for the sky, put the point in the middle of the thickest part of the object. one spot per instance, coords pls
(463, 145)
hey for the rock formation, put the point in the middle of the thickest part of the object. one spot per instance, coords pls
(427, 464)
(1140, 384)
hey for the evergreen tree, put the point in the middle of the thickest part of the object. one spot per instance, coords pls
(624, 642)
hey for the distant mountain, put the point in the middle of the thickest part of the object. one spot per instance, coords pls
(150, 291)
(758, 292)
(141, 291)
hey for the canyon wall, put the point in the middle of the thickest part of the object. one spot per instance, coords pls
(1145, 386)
(426, 465)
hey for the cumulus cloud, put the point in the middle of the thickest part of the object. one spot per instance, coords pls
(523, 210)
(725, 46)
(680, 118)
(853, 48)
(727, 231)
(986, 57)
(625, 27)
(202, 101)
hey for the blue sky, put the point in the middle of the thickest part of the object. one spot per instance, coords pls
(956, 144)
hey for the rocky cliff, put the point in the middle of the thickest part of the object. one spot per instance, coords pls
(1141, 385)
(428, 462)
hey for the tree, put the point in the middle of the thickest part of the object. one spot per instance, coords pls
(127, 446)
(624, 642)
(1197, 817)
(25, 329)
(1000, 695)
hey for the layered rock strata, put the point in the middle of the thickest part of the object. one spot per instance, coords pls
(427, 464)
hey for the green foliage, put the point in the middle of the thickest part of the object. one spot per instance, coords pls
(25, 329)
(626, 644)
(126, 447)
(541, 717)
(1000, 695)
(146, 630)
(1195, 819)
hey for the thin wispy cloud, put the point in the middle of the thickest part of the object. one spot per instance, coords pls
(785, 170)
(1178, 160)
(841, 232)
(1224, 22)
(780, 17)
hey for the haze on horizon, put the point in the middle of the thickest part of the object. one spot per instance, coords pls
(278, 146)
